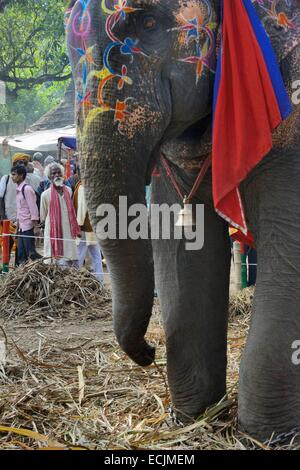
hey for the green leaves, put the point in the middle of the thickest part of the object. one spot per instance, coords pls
(33, 58)
(32, 43)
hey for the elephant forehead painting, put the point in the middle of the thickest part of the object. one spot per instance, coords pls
(195, 25)
(172, 84)
(191, 28)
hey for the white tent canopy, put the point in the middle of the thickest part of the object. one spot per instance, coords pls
(40, 141)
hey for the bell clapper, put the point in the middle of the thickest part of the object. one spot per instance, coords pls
(185, 216)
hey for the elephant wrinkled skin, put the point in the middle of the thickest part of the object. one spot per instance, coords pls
(144, 73)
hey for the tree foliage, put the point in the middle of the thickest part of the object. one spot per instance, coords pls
(33, 61)
(33, 48)
(30, 105)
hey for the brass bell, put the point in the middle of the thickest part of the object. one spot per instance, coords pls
(185, 216)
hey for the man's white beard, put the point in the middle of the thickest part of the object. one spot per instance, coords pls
(59, 182)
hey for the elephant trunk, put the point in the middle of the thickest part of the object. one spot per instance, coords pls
(110, 173)
(131, 269)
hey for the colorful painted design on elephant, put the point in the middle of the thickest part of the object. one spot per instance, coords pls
(81, 27)
(271, 8)
(195, 24)
(67, 17)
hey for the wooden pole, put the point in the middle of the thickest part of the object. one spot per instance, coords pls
(237, 266)
(243, 267)
(5, 246)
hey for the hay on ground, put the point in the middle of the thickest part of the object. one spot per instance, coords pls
(40, 290)
(68, 385)
(241, 302)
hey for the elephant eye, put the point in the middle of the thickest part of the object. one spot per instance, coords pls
(149, 23)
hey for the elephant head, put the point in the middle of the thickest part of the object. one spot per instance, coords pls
(143, 73)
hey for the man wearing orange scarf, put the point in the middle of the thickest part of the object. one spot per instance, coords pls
(58, 213)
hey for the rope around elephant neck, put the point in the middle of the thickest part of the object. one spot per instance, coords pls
(199, 179)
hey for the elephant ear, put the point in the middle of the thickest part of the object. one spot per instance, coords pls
(250, 101)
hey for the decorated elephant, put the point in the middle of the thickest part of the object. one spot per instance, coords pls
(173, 88)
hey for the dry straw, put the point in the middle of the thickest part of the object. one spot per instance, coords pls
(67, 385)
(49, 291)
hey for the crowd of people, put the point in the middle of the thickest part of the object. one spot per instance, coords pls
(40, 202)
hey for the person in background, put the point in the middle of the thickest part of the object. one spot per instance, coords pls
(49, 159)
(68, 171)
(37, 160)
(24, 159)
(35, 180)
(75, 178)
(8, 206)
(20, 158)
(45, 182)
(88, 242)
(33, 177)
(58, 213)
(27, 216)
(8, 202)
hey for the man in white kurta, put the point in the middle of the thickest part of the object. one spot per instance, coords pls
(70, 252)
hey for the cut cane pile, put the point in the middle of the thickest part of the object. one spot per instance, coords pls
(39, 290)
